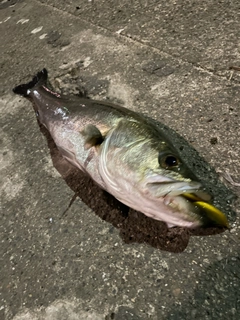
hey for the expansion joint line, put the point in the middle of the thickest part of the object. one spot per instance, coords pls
(142, 43)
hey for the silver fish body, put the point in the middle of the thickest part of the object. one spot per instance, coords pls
(125, 153)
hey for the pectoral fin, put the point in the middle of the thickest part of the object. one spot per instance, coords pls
(92, 135)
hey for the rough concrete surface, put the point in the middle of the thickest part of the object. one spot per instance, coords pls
(84, 257)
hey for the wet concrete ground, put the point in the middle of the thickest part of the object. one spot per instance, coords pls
(87, 257)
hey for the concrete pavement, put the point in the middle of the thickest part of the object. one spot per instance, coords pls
(92, 260)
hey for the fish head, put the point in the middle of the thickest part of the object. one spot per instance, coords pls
(177, 188)
(142, 168)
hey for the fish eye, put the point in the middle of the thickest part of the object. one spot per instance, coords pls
(169, 161)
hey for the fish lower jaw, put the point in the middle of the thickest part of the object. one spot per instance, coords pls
(180, 208)
(171, 210)
(168, 212)
(174, 217)
(185, 224)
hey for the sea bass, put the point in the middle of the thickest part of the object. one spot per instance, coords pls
(125, 153)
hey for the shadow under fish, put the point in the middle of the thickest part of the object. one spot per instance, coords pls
(133, 225)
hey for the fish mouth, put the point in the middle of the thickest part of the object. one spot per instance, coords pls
(191, 201)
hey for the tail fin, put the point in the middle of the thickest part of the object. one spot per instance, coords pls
(38, 80)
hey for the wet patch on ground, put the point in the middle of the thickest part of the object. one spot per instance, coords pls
(8, 3)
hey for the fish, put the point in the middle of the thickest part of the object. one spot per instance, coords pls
(125, 153)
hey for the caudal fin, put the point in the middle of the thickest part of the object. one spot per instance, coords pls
(38, 80)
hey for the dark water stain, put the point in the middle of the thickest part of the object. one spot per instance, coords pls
(56, 39)
(133, 225)
(158, 67)
(9, 3)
